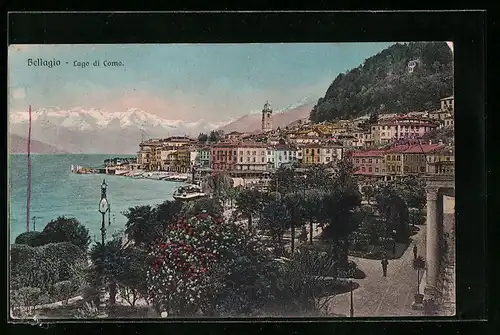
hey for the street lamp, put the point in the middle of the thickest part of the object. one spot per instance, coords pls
(103, 209)
(351, 312)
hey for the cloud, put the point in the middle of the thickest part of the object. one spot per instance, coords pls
(18, 93)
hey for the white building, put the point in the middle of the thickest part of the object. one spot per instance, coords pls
(284, 154)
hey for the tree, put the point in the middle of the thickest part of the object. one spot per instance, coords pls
(65, 229)
(141, 225)
(293, 203)
(107, 265)
(283, 180)
(248, 203)
(62, 257)
(220, 184)
(339, 205)
(131, 274)
(394, 211)
(168, 212)
(307, 282)
(210, 206)
(312, 208)
(215, 136)
(31, 238)
(318, 177)
(202, 137)
(275, 219)
(178, 276)
(418, 264)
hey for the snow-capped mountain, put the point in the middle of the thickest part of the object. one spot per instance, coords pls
(82, 130)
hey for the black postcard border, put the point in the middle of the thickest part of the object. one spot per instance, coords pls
(465, 28)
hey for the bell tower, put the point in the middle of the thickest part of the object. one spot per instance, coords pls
(267, 118)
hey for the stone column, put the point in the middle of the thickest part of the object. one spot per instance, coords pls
(432, 252)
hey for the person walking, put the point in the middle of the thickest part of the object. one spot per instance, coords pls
(384, 266)
(415, 251)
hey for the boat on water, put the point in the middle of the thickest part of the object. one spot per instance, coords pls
(121, 172)
(189, 192)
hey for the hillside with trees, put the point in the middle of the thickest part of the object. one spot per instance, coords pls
(385, 84)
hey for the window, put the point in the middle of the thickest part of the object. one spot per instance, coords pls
(357, 160)
(363, 168)
(376, 169)
(269, 152)
(248, 159)
(248, 152)
(398, 168)
(327, 159)
(241, 159)
(253, 160)
(383, 134)
(241, 153)
(369, 160)
(307, 151)
(263, 160)
(327, 151)
(376, 161)
(422, 169)
(254, 153)
(363, 161)
(235, 152)
(370, 169)
(399, 158)
(262, 152)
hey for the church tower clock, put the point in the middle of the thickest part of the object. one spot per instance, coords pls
(267, 118)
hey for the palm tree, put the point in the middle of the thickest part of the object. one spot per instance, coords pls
(248, 203)
(418, 264)
(294, 205)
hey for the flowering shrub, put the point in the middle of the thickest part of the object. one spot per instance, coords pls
(179, 276)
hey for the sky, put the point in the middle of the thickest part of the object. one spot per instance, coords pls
(179, 81)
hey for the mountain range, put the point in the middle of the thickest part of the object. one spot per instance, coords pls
(19, 145)
(81, 130)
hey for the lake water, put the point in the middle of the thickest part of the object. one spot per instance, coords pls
(55, 191)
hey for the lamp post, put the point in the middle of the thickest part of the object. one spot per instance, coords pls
(103, 209)
(351, 312)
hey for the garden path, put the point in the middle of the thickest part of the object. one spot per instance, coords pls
(379, 296)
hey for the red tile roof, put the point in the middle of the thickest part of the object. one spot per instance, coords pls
(369, 153)
(415, 148)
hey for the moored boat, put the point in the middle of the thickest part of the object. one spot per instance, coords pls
(188, 192)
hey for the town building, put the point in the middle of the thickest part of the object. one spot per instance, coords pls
(224, 156)
(449, 121)
(330, 153)
(146, 156)
(448, 104)
(267, 118)
(408, 159)
(311, 154)
(251, 156)
(203, 157)
(233, 136)
(402, 127)
(441, 161)
(369, 163)
(177, 141)
(284, 154)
